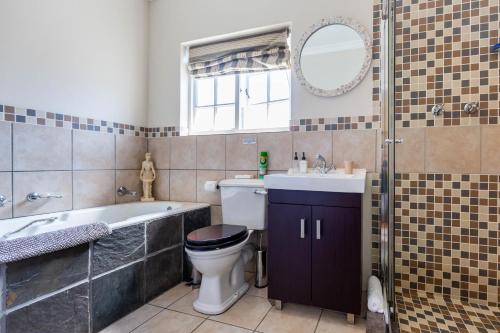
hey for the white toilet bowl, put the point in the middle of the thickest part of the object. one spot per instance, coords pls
(223, 275)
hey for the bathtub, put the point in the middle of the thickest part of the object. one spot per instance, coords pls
(116, 216)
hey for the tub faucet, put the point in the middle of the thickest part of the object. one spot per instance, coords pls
(34, 196)
(122, 190)
(3, 200)
(321, 165)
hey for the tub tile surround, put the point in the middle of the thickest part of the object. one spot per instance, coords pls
(79, 164)
(128, 268)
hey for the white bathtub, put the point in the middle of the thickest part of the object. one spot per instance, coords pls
(116, 216)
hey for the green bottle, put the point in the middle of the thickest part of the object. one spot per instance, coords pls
(262, 164)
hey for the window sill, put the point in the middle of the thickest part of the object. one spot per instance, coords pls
(242, 131)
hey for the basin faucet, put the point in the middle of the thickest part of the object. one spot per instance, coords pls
(34, 196)
(3, 200)
(321, 165)
(122, 190)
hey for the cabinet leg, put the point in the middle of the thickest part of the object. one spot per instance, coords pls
(278, 305)
(350, 318)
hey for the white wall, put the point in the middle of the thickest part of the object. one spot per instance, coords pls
(173, 22)
(81, 57)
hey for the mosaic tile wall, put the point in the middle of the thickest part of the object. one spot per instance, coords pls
(447, 208)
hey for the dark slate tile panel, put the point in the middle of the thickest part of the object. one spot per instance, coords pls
(193, 220)
(123, 246)
(64, 312)
(33, 277)
(164, 233)
(163, 271)
(116, 294)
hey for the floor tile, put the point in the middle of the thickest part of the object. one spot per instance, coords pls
(292, 319)
(172, 295)
(185, 304)
(133, 320)
(210, 326)
(170, 322)
(259, 292)
(248, 312)
(332, 321)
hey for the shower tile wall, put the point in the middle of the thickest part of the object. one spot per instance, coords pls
(447, 187)
(85, 166)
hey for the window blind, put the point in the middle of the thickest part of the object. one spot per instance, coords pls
(267, 51)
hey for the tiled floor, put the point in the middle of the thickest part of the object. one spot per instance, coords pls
(173, 312)
(424, 312)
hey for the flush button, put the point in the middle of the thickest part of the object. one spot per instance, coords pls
(249, 141)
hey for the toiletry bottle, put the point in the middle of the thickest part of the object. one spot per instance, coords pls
(303, 164)
(262, 164)
(295, 164)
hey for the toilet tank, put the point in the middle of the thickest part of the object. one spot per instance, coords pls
(244, 202)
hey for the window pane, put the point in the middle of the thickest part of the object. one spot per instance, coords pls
(257, 88)
(203, 119)
(279, 114)
(225, 89)
(224, 117)
(255, 116)
(204, 94)
(280, 85)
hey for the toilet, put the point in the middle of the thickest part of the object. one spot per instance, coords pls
(220, 252)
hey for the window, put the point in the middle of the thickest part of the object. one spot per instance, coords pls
(248, 101)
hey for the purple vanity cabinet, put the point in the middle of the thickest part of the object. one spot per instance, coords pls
(315, 249)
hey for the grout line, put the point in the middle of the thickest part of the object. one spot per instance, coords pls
(142, 322)
(317, 323)
(264, 317)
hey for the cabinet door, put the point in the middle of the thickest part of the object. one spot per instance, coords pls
(289, 253)
(336, 258)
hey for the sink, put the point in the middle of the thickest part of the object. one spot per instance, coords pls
(334, 181)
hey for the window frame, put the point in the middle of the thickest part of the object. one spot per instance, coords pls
(237, 107)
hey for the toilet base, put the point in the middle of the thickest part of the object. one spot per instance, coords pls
(211, 309)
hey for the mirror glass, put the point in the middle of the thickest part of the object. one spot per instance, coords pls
(332, 57)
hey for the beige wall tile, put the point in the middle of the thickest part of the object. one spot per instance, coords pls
(129, 179)
(160, 152)
(279, 147)
(5, 146)
(183, 152)
(216, 215)
(55, 182)
(211, 152)
(490, 149)
(161, 185)
(232, 174)
(357, 146)
(410, 155)
(313, 143)
(240, 156)
(38, 148)
(130, 151)
(453, 149)
(93, 151)
(202, 176)
(6, 190)
(183, 185)
(93, 188)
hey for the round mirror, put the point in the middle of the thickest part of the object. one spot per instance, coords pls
(333, 57)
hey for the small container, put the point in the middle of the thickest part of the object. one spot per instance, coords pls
(348, 167)
(262, 164)
(295, 164)
(303, 164)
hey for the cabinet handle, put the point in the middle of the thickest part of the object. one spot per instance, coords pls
(302, 228)
(318, 229)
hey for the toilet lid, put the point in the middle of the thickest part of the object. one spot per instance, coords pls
(216, 237)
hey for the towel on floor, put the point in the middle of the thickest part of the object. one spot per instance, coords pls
(35, 245)
(375, 296)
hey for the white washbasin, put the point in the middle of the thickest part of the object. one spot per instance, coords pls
(334, 181)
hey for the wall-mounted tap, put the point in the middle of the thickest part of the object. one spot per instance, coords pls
(34, 196)
(122, 190)
(3, 200)
(321, 165)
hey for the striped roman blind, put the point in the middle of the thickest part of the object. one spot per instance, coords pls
(267, 51)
